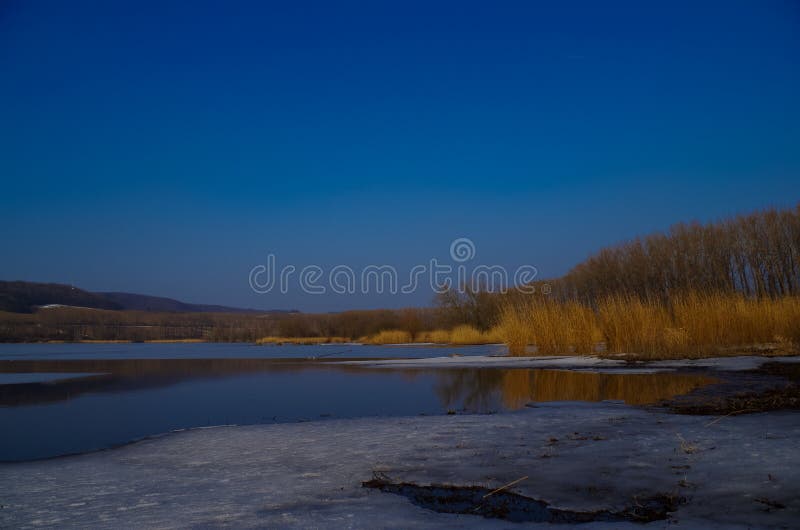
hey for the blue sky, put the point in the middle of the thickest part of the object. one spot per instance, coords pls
(167, 147)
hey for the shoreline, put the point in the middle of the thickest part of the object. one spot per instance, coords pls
(762, 351)
(580, 457)
(764, 384)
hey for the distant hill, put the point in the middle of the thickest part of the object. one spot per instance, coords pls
(143, 302)
(25, 297)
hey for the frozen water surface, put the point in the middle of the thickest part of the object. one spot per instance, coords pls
(580, 451)
(737, 472)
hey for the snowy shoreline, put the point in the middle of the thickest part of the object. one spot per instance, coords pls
(575, 362)
(735, 471)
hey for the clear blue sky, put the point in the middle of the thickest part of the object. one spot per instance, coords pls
(167, 147)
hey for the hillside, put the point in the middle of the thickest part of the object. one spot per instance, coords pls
(25, 297)
(142, 302)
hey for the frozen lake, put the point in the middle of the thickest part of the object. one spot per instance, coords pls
(58, 399)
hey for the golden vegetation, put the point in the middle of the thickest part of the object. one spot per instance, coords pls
(722, 287)
(465, 335)
(302, 340)
(175, 341)
(437, 336)
(552, 327)
(689, 325)
(388, 336)
(460, 335)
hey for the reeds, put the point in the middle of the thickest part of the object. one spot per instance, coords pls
(631, 325)
(466, 335)
(460, 335)
(388, 336)
(302, 340)
(552, 328)
(691, 325)
(437, 336)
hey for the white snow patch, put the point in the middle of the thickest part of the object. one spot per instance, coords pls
(578, 456)
(574, 362)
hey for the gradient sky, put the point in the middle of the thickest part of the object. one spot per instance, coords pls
(166, 147)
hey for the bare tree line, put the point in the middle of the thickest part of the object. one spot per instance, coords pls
(75, 324)
(757, 255)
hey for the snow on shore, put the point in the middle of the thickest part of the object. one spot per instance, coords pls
(734, 472)
(574, 362)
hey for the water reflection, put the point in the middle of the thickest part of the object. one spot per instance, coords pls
(126, 399)
(123, 375)
(471, 389)
(479, 390)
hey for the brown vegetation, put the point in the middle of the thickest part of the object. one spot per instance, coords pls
(306, 341)
(696, 290)
(388, 336)
(688, 325)
(757, 255)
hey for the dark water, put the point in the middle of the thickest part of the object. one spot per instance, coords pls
(230, 351)
(69, 398)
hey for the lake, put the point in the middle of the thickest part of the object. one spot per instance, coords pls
(58, 399)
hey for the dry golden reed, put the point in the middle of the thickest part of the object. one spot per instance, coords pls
(302, 340)
(460, 335)
(552, 328)
(465, 335)
(388, 336)
(437, 336)
(690, 325)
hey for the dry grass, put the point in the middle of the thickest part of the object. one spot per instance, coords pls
(551, 327)
(388, 336)
(97, 341)
(690, 326)
(463, 335)
(631, 325)
(716, 320)
(437, 336)
(302, 340)
(466, 335)
(175, 341)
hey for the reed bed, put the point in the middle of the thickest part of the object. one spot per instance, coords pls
(552, 328)
(692, 325)
(388, 336)
(467, 335)
(437, 336)
(306, 341)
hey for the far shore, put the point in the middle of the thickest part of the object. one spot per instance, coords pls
(760, 350)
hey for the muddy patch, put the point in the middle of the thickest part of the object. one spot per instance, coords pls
(774, 386)
(509, 506)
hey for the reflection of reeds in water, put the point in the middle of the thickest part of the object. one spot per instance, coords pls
(516, 388)
(522, 386)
